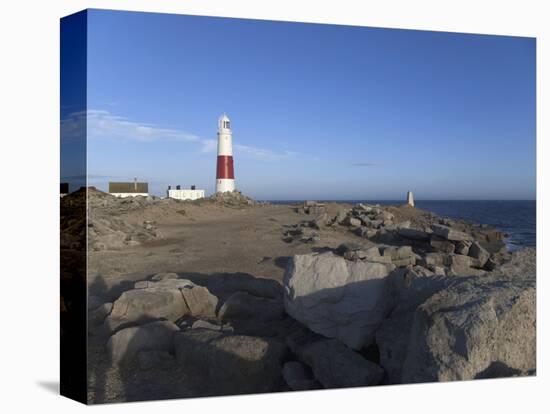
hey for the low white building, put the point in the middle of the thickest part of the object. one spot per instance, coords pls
(121, 189)
(185, 194)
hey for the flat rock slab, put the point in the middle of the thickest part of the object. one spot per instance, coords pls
(230, 364)
(449, 233)
(413, 234)
(334, 364)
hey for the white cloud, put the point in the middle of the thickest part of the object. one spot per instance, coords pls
(262, 153)
(102, 124)
(73, 128)
(209, 145)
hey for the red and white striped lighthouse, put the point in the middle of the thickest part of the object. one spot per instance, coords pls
(225, 177)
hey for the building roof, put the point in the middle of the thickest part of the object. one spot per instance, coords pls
(131, 187)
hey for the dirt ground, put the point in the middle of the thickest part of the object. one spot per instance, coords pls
(196, 241)
(203, 242)
(208, 240)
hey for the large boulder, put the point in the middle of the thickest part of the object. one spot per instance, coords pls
(474, 329)
(141, 305)
(298, 377)
(98, 315)
(479, 253)
(435, 259)
(450, 233)
(400, 256)
(166, 299)
(124, 345)
(333, 364)
(230, 364)
(337, 298)
(354, 222)
(411, 288)
(155, 359)
(442, 245)
(460, 265)
(463, 247)
(371, 254)
(200, 301)
(413, 234)
(471, 327)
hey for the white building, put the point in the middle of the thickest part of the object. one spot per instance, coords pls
(121, 189)
(185, 194)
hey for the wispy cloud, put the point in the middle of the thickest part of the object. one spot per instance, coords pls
(262, 153)
(209, 145)
(364, 164)
(102, 124)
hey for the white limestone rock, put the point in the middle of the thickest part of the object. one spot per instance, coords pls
(337, 298)
(168, 299)
(473, 329)
(450, 233)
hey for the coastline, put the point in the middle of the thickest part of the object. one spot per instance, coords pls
(311, 281)
(520, 226)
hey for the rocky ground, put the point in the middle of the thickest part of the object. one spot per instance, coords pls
(228, 296)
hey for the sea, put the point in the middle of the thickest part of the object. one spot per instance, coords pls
(516, 218)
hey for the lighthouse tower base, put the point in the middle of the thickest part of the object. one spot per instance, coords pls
(223, 185)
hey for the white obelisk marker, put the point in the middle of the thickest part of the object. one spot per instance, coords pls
(410, 198)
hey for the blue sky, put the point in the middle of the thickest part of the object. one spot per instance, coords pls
(318, 111)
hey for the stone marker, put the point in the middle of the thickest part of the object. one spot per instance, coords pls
(410, 198)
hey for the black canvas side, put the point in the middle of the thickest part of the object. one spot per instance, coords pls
(73, 253)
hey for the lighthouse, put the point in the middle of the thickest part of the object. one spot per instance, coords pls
(225, 177)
